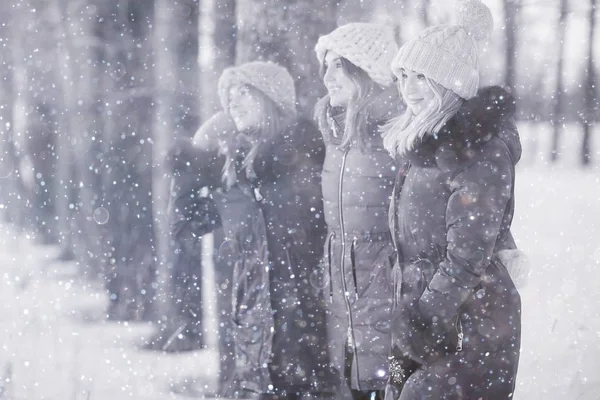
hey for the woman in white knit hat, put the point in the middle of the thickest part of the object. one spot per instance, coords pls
(357, 180)
(456, 319)
(279, 317)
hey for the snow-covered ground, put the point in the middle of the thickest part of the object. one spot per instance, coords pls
(54, 343)
(557, 223)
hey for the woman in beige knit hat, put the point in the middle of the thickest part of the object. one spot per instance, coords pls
(357, 178)
(279, 315)
(456, 314)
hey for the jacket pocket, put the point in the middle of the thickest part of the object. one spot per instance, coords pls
(353, 266)
(327, 263)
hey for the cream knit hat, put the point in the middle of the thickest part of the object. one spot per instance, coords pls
(270, 78)
(448, 53)
(370, 47)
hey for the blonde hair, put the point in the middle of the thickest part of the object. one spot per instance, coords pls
(403, 133)
(274, 120)
(355, 126)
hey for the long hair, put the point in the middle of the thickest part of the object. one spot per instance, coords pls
(403, 133)
(273, 121)
(355, 125)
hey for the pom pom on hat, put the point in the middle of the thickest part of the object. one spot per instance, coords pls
(475, 18)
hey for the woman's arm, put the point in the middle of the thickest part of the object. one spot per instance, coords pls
(474, 216)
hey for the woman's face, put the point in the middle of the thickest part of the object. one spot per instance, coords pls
(339, 86)
(415, 90)
(246, 107)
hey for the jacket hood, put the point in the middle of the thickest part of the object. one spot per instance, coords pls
(491, 113)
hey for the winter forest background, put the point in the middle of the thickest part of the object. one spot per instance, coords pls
(92, 94)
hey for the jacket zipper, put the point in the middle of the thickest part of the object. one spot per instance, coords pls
(351, 342)
(353, 262)
(461, 335)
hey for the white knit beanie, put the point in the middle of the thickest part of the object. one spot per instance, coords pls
(270, 78)
(370, 47)
(448, 53)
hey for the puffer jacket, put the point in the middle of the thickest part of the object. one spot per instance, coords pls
(357, 184)
(456, 311)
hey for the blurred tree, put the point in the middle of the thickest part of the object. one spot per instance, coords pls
(217, 50)
(424, 11)
(591, 107)
(356, 11)
(128, 114)
(286, 31)
(511, 9)
(20, 207)
(80, 54)
(7, 151)
(557, 113)
(65, 174)
(177, 114)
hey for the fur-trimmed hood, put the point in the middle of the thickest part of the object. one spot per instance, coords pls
(488, 115)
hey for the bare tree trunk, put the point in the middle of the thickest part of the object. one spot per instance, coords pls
(64, 177)
(177, 114)
(511, 8)
(7, 151)
(222, 41)
(355, 11)
(590, 109)
(286, 31)
(83, 96)
(128, 99)
(21, 103)
(557, 115)
(425, 12)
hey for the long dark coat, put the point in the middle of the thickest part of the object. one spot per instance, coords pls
(456, 311)
(190, 216)
(359, 254)
(287, 186)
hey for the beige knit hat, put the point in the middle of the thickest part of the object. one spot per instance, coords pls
(370, 47)
(270, 78)
(448, 53)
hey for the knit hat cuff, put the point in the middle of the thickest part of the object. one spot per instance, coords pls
(441, 66)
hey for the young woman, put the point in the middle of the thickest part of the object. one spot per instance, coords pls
(279, 315)
(357, 180)
(456, 318)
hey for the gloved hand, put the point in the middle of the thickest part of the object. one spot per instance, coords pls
(400, 369)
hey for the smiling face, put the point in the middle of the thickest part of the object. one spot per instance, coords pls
(340, 87)
(415, 90)
(245, 107)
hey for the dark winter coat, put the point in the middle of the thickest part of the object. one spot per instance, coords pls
(359, 254)
(287, 187)
(190, 216)
(226, 214)
(456, 310)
